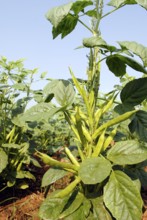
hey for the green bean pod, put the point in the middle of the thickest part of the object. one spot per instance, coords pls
(114, 121)
(71, 157)
(68, 189)
(55, 163)
(109, 139)
(99, 145)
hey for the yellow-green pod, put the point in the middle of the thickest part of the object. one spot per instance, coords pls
(86, 134)
(99, 145)
(71, 157)
(109, 139)
(68, 189)
(114, 121)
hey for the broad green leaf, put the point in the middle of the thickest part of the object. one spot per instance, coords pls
(136, 48)
(52, 175)
(127, 152)
(99, 210)
(57, 14)
(80, 5)
(66, 26)
(3, 160)
(122, 197)
(73, 206)
(116, 65)
(20, 86)
(64, 93)
(119, 3)
(139, 125)
(93, 42)
(132, 63)
(134, 92)
(91, 170)
(78, 214)
(52, 207)
(39, 112)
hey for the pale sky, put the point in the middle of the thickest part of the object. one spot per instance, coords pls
(25, 33)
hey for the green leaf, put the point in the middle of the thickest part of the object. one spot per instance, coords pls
(25, 174)
(93, 42)
(119, 3)
(3, 160)
(64, 93)
(127, 152)
(39, 112)
(122, 197)
(80, 5)
(91, 170)
(66, 26)
(52, 175)
(78, 214)
(134, 92)
(143, 3)
(136, 48)
(116, 65)
(99, 210)
(52, 207)
(73, 206)
(57, 14)
(133, 64)
(139, 125)
(142, 175)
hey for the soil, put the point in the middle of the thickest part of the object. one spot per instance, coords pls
(24, 204)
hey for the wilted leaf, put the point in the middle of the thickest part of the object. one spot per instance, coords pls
(122, 197)
(127, 152)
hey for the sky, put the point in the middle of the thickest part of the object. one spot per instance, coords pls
(26, 33)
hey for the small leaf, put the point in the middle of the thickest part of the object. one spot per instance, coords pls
(134, 92)
(80, 5)
(127, 152)
(52, 175)
(93, 42)
(136, 48)
(139, 125)
(122, 197)
(119, 3)
(57, 14)
(3, 160)
(91, 170)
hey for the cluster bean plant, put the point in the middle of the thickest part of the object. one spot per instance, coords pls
(15, 94)
(110, 131)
